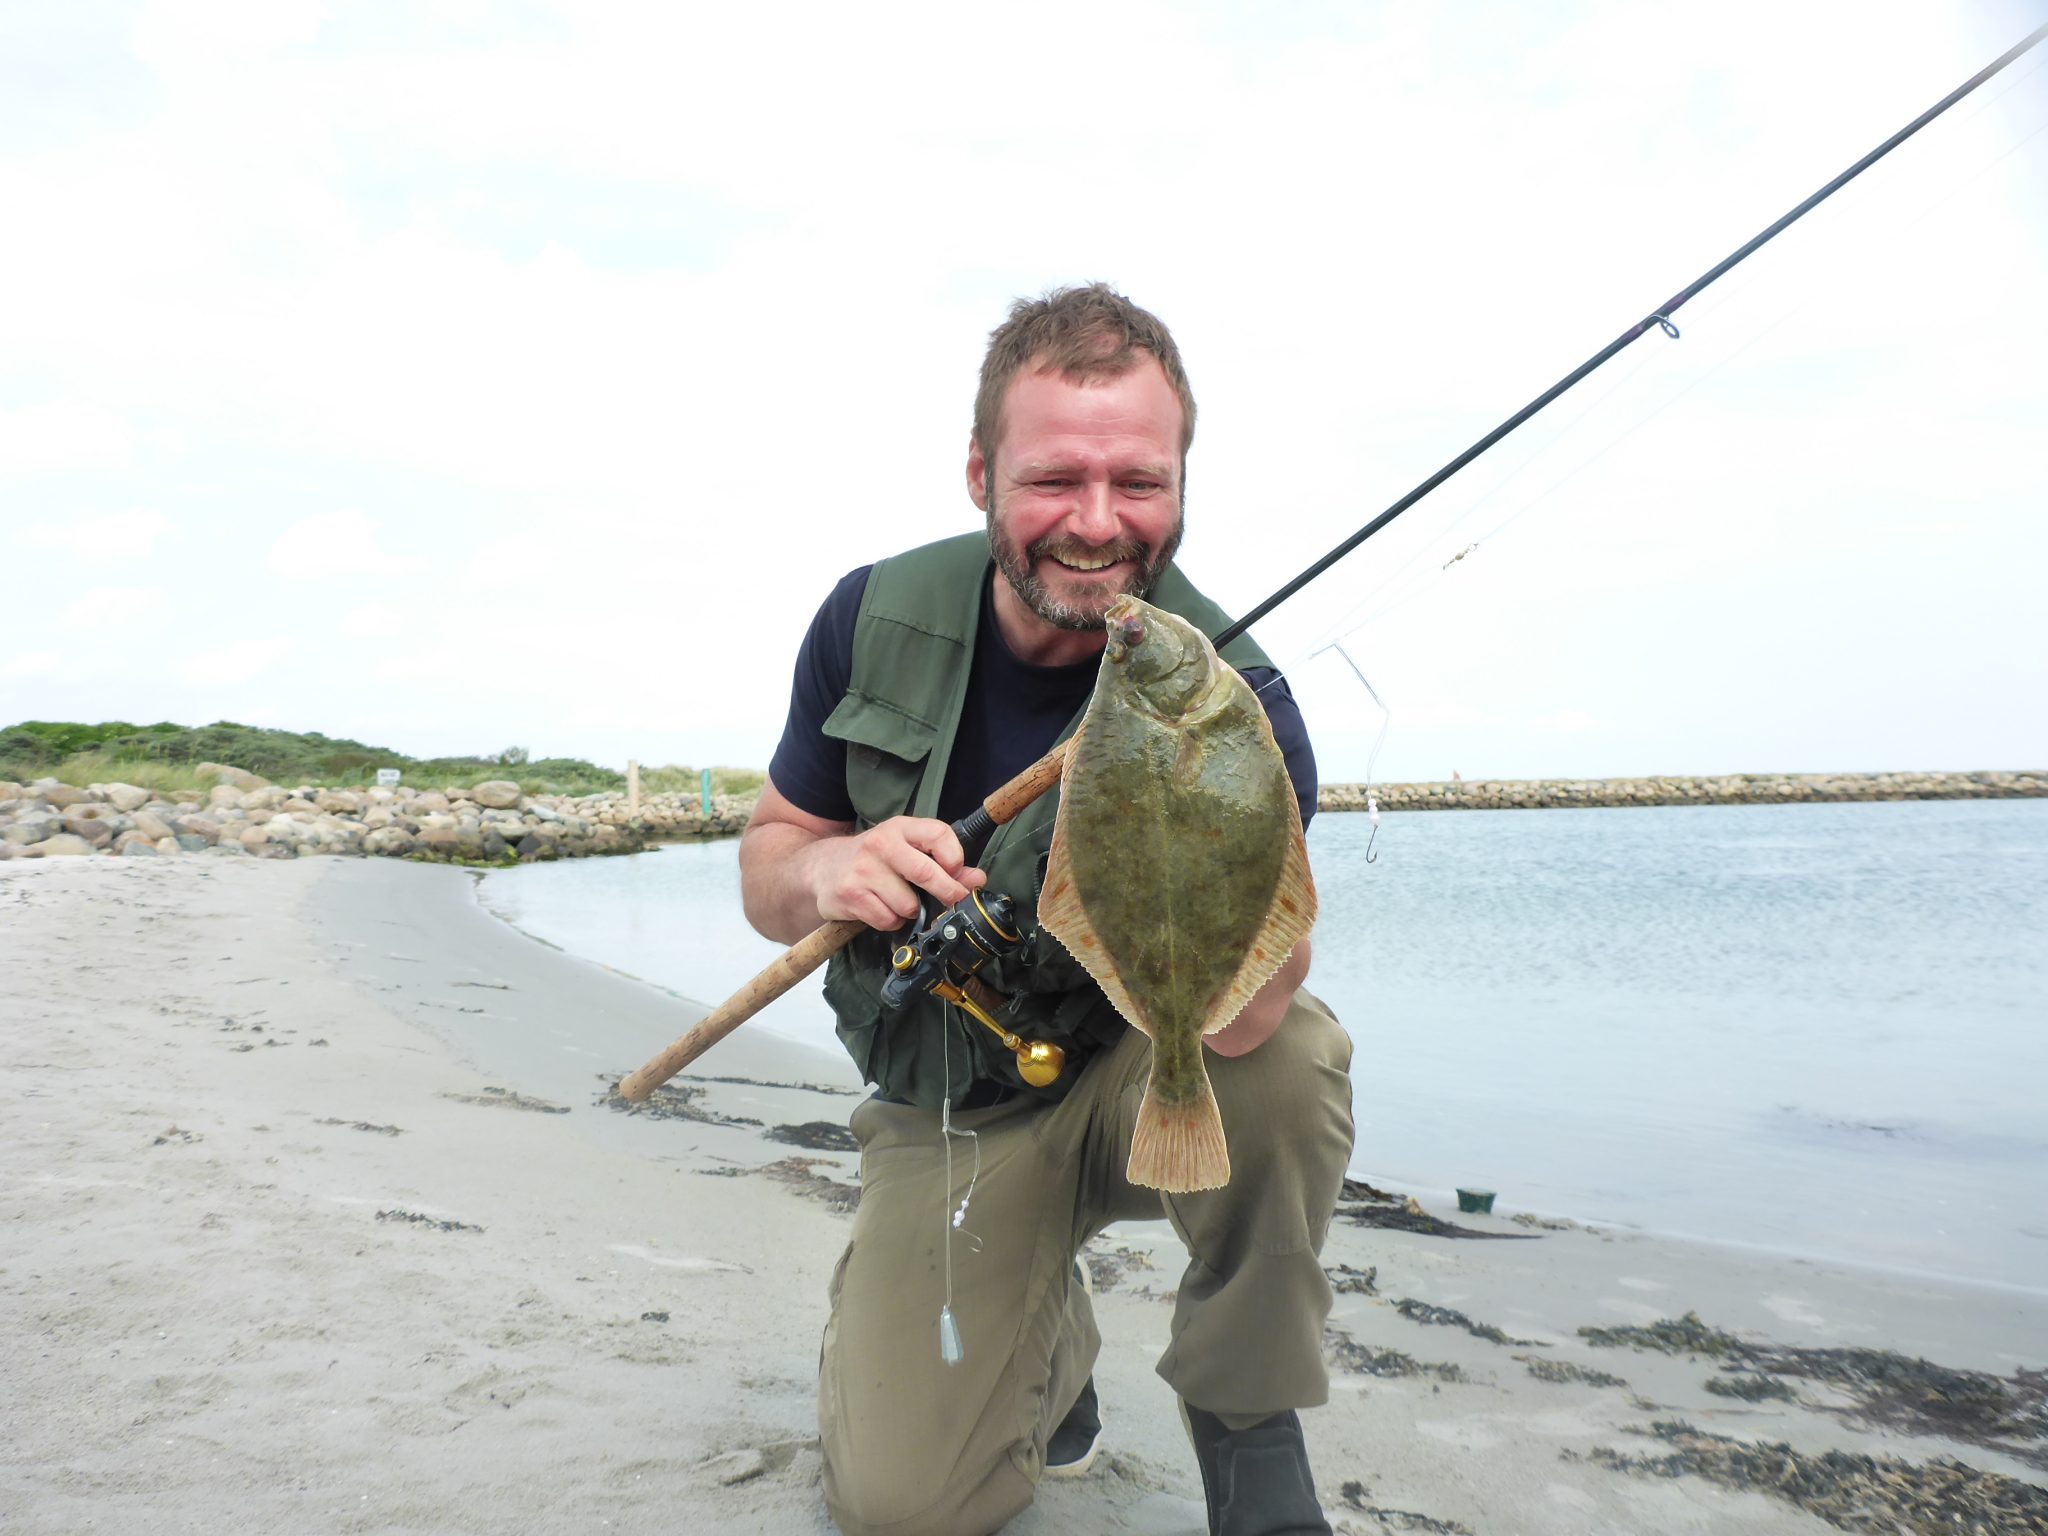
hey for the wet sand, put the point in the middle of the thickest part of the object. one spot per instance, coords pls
(314, 1219)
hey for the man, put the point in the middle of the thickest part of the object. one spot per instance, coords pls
(956, 1363)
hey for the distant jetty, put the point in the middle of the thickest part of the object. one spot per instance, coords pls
(1724, 789)
(494, 822)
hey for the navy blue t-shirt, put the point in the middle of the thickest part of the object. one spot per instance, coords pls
(1012, 715)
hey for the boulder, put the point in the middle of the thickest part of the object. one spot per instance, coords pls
(339, 801)
(240, 778)
(32, 828)
(63, 845)
(133, 845)
(89, 829)
(9, 790)
(198, 826)
(62, 796)
(498, 794)
(223, 795)
(254, 837)
(191, 843)
(125, 797)
(151, 826)
(388, 841)
(429, 800)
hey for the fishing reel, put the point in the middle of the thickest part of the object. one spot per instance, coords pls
(942, 957)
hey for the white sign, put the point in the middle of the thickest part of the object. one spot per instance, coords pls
(386, 777)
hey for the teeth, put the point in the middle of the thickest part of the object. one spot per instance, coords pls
(1081, 563)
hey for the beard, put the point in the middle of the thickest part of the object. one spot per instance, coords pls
(1020, 569)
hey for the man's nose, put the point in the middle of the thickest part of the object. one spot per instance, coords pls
(1094, 519)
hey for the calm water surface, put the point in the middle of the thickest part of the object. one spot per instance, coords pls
(1818, 1029)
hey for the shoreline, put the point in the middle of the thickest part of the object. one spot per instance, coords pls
(1444, 1193)
(211, 1328)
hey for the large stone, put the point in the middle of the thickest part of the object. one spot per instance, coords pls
(125, 797)
(33, 828)
(429, 800)
(193, 844)
(498, 794)
(240, 778)
(9, 790)
(338, 800)
(132, 845)
(198, 826)
(63, 796)
(89, 828)
(63, 845)
(254, 837)
(150, 826)
(388, 841)
(224, 795)
(262, 799)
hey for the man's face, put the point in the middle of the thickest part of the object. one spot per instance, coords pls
(1086, 499)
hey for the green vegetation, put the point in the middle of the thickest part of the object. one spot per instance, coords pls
(163, 757)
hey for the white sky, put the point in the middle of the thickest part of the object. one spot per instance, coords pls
(456, 375)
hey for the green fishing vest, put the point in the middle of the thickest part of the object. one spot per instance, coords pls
(913, 652)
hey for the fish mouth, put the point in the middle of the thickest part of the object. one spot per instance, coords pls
(1126, 625)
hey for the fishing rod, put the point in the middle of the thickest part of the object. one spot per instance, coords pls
(811, 952)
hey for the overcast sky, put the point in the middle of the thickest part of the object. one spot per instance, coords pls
(453, 376)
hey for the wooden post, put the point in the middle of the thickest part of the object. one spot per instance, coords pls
(633, 788)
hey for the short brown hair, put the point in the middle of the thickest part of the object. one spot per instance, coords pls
(1082, 333)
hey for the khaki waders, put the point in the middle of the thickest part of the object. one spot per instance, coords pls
(913, 1445)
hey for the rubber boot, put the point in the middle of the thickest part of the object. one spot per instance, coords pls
(1256, 1480)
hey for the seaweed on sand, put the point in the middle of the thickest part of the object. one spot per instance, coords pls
(1449, 1317)
(2008, 1414)
(1367, 1360)
(672, 1101)
(1850, 1491)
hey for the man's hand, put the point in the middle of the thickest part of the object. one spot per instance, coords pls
(1268, 1006)
(798, 870)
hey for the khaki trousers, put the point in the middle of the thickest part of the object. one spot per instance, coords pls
(913, 1445)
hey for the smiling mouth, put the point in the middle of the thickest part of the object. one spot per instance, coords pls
(1084, 560)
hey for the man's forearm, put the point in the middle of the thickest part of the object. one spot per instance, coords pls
(775, 888)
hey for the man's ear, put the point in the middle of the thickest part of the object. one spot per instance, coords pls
(977, 473)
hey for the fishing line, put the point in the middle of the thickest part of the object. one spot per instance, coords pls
(1659, 317)
(1357, 618)
(1372, 804)
(950, 1349)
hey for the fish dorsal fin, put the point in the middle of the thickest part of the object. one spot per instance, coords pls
(1288, 921)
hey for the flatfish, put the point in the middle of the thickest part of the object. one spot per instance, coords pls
(1178, 876)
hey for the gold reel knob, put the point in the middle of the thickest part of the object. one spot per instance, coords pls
(1040, 1062)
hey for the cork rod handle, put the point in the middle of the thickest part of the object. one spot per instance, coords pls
(821, 944)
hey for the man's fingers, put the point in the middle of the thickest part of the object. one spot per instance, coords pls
(925, 872)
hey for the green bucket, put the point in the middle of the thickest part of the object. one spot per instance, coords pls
(1475, 1202)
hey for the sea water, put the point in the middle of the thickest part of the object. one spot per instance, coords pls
(1815, 1028)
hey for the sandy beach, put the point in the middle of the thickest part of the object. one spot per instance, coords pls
(313, 1217)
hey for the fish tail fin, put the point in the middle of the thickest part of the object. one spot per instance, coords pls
(1179, 1147)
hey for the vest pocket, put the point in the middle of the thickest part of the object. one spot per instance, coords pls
(886, 753)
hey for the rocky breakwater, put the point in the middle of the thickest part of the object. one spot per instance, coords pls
(666, 817)
(244, 816)
(1727, 789)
